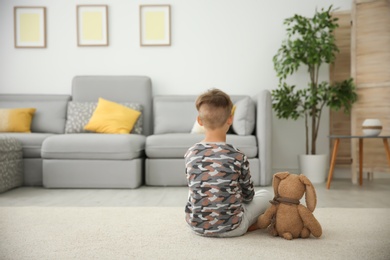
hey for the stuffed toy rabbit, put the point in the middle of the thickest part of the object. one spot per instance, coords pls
(286, 217)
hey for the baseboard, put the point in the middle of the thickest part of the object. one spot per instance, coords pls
(340, 173)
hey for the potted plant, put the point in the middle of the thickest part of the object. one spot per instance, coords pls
(311, 43)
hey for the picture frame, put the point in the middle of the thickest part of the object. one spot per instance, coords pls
(30, 26)
(92, 25)
(155, 25)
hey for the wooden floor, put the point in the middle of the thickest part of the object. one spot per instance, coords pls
(373, 194)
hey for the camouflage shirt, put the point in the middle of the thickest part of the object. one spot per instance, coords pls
(219, 182)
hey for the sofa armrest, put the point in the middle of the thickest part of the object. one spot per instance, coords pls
(264, 135)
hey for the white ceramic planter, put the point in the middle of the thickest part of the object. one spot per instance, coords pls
(314, 166)
(372, 127)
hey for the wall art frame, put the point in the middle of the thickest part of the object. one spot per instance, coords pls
(92, 25)
(30, 26)
(155, 25)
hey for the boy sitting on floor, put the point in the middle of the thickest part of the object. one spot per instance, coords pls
(222, 201)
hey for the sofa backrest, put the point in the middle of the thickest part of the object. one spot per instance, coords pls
(122, 89)
(177, 113)
(50, 112)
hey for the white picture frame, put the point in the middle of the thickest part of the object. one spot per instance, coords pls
(30, 26)
(92, 25)
(155, 25)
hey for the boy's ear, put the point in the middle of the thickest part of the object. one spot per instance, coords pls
(199, 120)
(230, 120)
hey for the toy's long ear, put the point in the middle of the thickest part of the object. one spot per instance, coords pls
(310, 197)
(277, 178)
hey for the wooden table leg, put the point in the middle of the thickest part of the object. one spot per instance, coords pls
(332, 162)
(387, 149)
(360, 161)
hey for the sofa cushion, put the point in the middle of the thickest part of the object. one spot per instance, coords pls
(112, 118)
(50, 110)
(79, 114)
(167, 118)
(121, 89)
(94, 146)
(244, 117)
(16, 120)
(176, 145)
(31, 142)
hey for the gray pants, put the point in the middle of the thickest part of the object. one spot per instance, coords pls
(252, 211)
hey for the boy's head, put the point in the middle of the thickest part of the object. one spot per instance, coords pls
(214, 107)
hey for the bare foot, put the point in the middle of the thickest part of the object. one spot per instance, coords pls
(252, 228)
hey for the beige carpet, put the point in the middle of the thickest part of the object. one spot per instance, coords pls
(161, 233)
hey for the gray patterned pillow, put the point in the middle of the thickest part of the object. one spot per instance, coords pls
(79, 114)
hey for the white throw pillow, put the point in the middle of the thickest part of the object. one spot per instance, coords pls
(244, 117)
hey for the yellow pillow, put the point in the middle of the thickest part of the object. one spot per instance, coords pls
(233, 110)
(16, 119)
(112, 118)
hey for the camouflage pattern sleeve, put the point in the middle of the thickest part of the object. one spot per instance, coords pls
(219, 182)
(246, 182)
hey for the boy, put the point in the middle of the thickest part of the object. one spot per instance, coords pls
(221, 202)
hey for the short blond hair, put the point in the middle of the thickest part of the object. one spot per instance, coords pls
(214, 107)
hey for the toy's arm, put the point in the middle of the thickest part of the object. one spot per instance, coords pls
(309, 221)
(265, 219)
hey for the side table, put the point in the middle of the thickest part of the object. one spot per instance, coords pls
(361, 138)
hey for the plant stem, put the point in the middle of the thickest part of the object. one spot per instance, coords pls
(313, 91)
(307, 134)
(313, 124)
(318, 120)
(314, 120)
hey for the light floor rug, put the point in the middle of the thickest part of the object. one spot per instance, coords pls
(161, 233)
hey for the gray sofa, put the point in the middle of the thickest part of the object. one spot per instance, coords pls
(56, 157)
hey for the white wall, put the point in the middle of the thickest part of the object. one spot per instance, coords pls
(227, 44)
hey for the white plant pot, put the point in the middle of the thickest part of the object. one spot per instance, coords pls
(314, 166)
